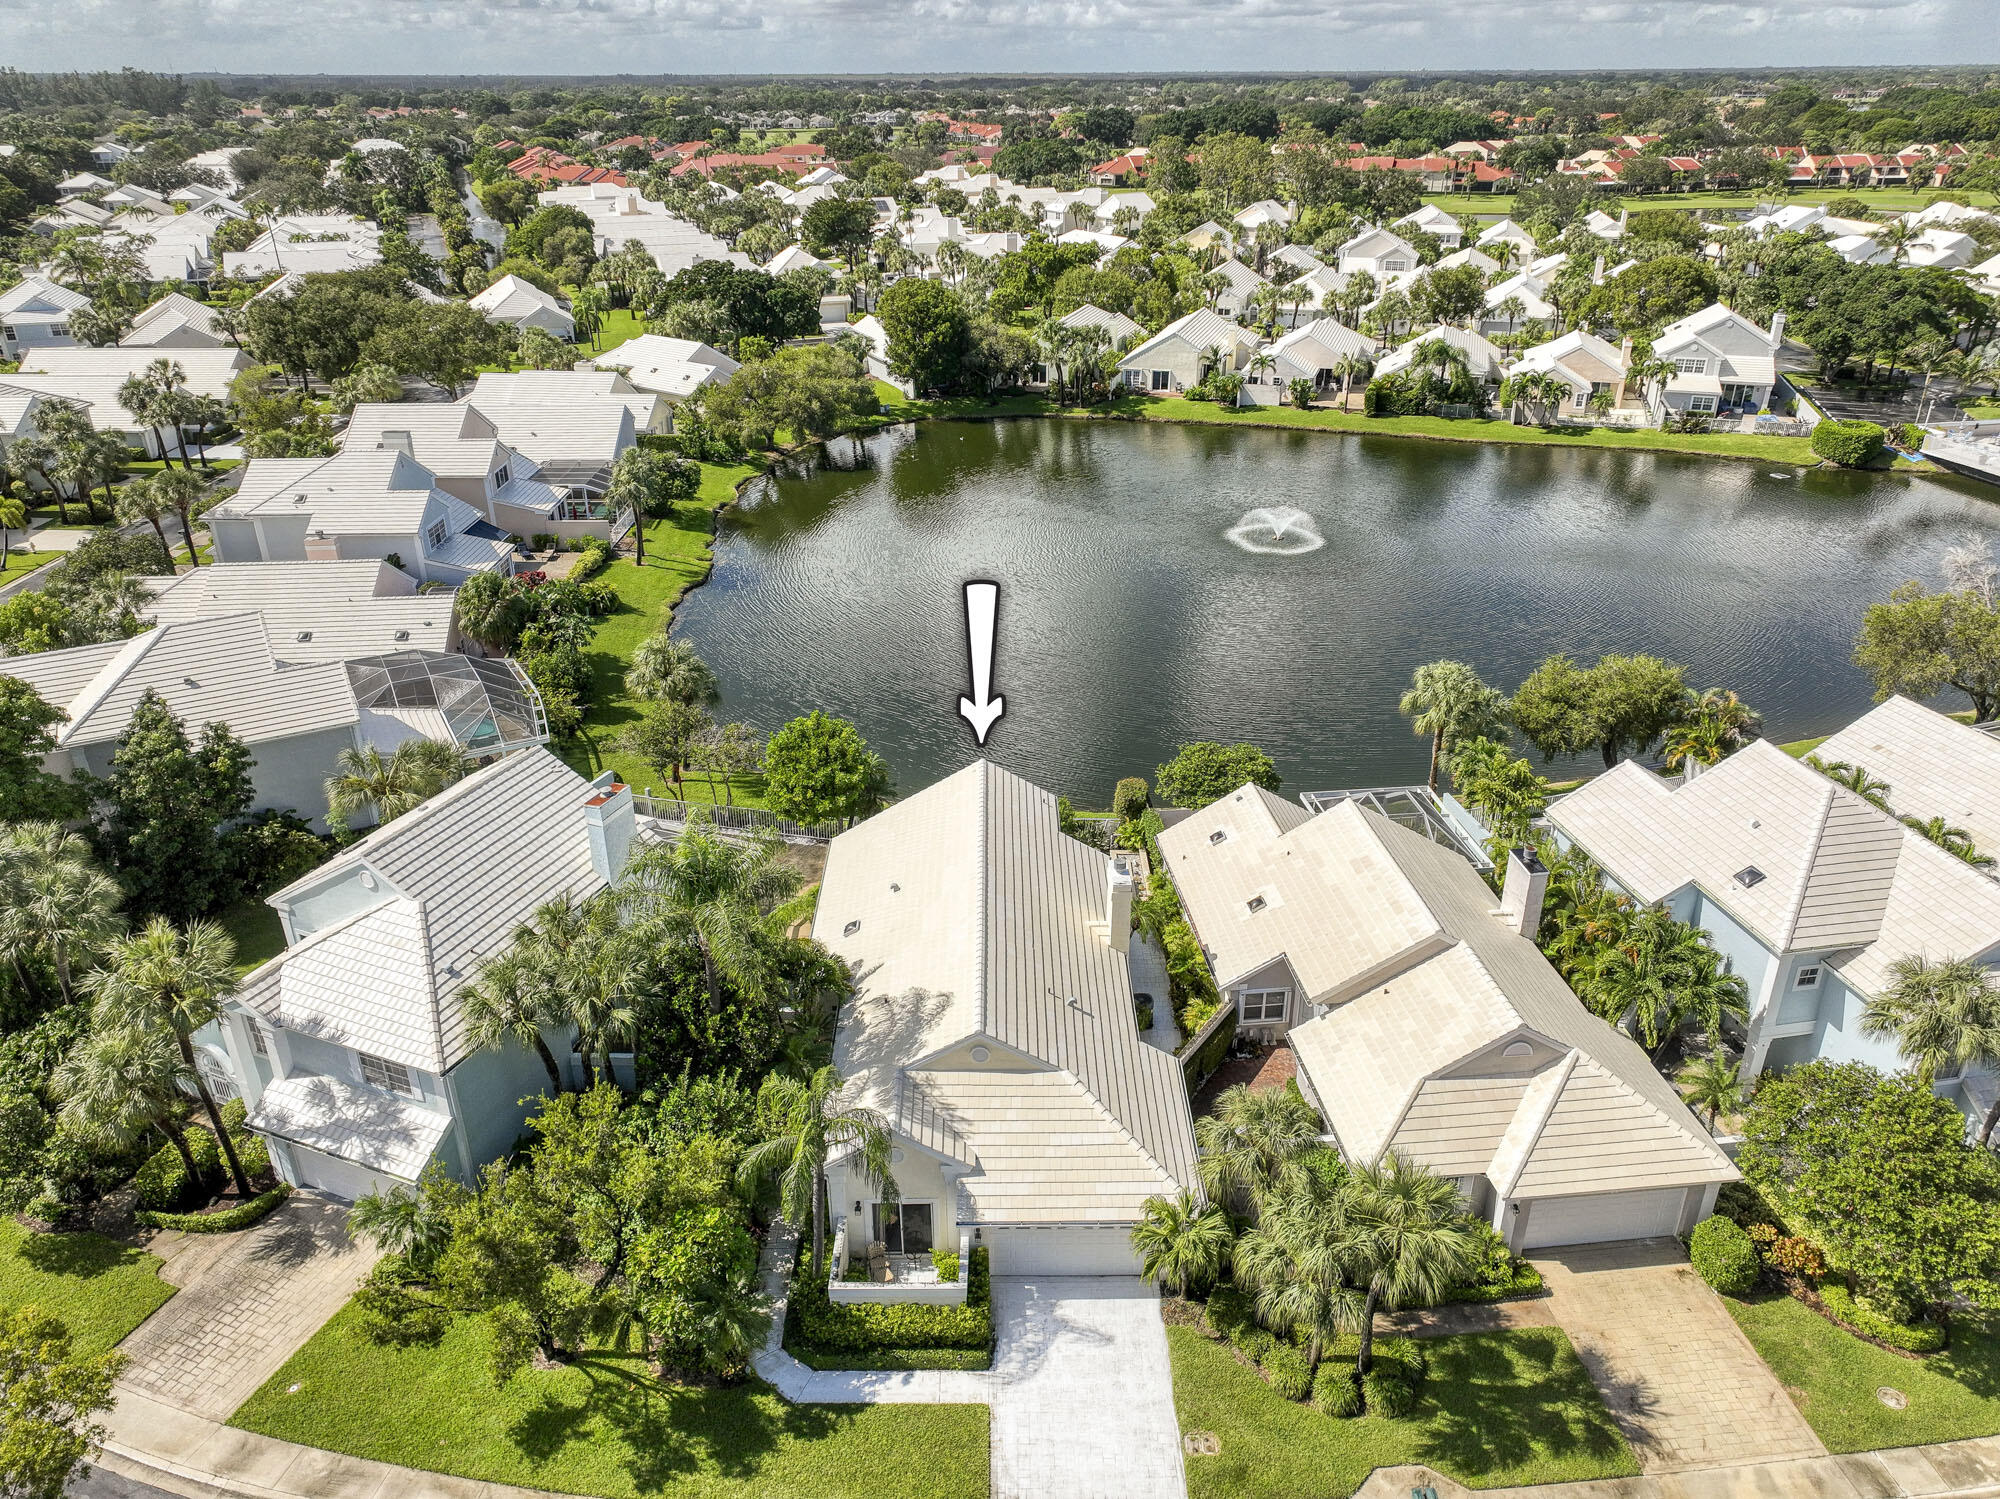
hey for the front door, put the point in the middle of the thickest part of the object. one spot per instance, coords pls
(905, 1227)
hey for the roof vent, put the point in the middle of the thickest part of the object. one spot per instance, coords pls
(894, 888)
(1257, 903)
(1749, 875)
(400, 635)
(850, 929)
(305, 635)
(1219, 835)
(189, 682)
(298, 499)
(1519, 1049)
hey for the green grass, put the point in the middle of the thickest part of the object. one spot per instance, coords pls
(100, 1289)
(1884, 198)
(1499, 1409)
(258, 932)
(602, 1427)
(19, 564)
(1834, 1375)
(620, 324)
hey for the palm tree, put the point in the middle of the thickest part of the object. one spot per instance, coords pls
(581, 966)
(1347, 367)
(1661, 976)
(121, 1082)
(504, 1003)
(1447, 701)
(1296, 1263)
(140, 501)
(414, 772)
(1955, 841)
(713, 895)
(181, 491)
(1252, 1141)
(1943, 1017)
(13, 517)
(173, 980)
(1182, 1245)
(55, 903)
(812, 1121)
(1714, 1084)
(1855, 778)
(1512, 308)
(665, 669)
(1409, 1239)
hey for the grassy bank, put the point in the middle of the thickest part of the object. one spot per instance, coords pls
(100, 1289)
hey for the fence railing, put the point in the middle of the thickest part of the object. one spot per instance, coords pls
(731, 819)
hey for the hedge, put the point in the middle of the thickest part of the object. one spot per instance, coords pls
(162, 1183)
(825, 1326)
(1388, 1392)
(1128, 799)
(1843, 1305)
(1723, 1255)
(230, 1220)
(1286, 1367)
(1336, 1391)
(1851, 444)
(896, 1360)
(1497, 1274)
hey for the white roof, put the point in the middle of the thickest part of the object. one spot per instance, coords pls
(792, 258)
(1802, 863)
(364, 1125)
(306, 243)
(670, 366)
(369, 491)
(451, 440)
(1572, 355)
(313, 611)
(92, 376)
(174, 317)
(39, 294)
(1322, 343)
(510, 299)
(582, 427)
(1432, 220)
(1485, 359)
(1119, 326)
(543, 387)
(1200, 329)
(1934, 765)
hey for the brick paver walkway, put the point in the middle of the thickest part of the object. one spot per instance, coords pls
(1271, 1068)
(1677, 1373)
(247, 1302)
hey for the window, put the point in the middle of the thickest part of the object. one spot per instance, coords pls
(1163, 379)
(501, 475)
(1701, 403)
(7, 331)
(1807, 977)
(390, 1077)
(905, 1227)
(1263, 1006)
(59, 330)
(257, 1042)
(437, 533)
(1392, 266)
(1135, 379)
(1690, 364)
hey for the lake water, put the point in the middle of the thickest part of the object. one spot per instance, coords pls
(1130, 622)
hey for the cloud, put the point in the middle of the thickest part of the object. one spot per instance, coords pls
(556, 37)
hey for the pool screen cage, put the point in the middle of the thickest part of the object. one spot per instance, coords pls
(490, 706)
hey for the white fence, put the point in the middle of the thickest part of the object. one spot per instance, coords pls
(895, 1292)
(677, 814)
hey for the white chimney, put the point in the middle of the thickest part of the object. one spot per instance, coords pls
(1597, 272)
(1777, 332)
(1118, 905)
(609, 819)
(1521, 895)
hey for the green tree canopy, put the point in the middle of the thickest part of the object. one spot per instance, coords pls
(1918, 643)
(820, 769)
(1206, 771)
(1620, 706)
(27, 735)
(930, 331)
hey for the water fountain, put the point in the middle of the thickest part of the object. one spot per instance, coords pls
(1276, 531)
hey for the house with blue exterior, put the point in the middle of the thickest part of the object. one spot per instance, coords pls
(1808, 890)
(351, 1048)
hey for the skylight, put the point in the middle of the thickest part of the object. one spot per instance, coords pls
(1749, 875)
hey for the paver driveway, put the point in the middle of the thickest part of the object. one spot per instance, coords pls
(1083, 1393)
(1678, 1374)
(247, 1302)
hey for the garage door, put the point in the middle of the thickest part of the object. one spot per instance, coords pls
(338, 1178)
(1061, 1251)
(1607, 1216)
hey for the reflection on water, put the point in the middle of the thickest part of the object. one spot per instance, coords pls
(1131, 621)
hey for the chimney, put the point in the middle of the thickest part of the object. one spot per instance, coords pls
(1118, 905)
(1623, 215)
(611, 822)
(1777, 332)
(1624, 370)
(1597, 272)
(400, 441)
(1521, 895)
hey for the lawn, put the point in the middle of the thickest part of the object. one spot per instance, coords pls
(677, 558)
(620, 324)
(258, 932)
(1494, 205)
(1834, 1375)
(602, 1427)
(1499, 1409)
(100, 1289)
(19, 564)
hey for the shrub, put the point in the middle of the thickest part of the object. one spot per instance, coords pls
(1685, 421)
(1336, 1392)
(1228, 1310)
(1913, 436)
(162, 1183)
(1497, 1273)
(1388, 1392)
(1404, 1355)
(544, 541)
(1286, 1367)
(1745, 1205)
(230, 1220)
(1253, 1342)
(591, 559)
(1128, 799)
(1795, 1257)
(1851, 444)
(1723, 1255)
(868, 1328)
(1844, 1306)
(250, 1149)
(945, 1262)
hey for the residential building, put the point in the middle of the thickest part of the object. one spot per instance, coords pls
(1314, 351)
(521, 304)
(1378, 252)
(1508, 235)
(1584, 362)
(1178, 356)
(313, 611)
(621, 215)
(671, 368)
(35, 314)
(1235, 299)
(1427, 1023)
(92, 377)
(1123, 331)
(176, 322)
(1436, 222)
(994, 1028)
(306, 243)
(1486, 362)
(528, 388)
(573, 439)
(1724, 364)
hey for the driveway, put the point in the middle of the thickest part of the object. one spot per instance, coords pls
(1083, 1393)
(1678, 1374)
(247, 1301)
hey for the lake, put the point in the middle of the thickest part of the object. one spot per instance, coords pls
(1131, 622)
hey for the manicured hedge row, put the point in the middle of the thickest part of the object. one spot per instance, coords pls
(1851, 444)
(1842, 1305)
(897, 1359)
(243, 1215)
(825, 1326)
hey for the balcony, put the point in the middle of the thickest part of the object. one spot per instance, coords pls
(907, 1279)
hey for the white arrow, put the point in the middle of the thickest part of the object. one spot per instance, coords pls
(982, 604)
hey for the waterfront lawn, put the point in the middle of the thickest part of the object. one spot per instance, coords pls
(602, 1426)
(101, 1289)
(1834, 1375)
(677, 558)
(1499, 1409)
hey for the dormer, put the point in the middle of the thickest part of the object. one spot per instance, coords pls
(313, 905)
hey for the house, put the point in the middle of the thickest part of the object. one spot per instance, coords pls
(1723, 363)
(671, 368)
(1934, 766)
(307, 242)
(1301, 258)
(573, 440)
(1264, 211)
(1235, 299)
(521, 304)
(1122, 330)
(1584, 362)
(1487, 363)
(1427, 1023)
(35, 314)
(1510, 235)
(994, 1028)
(1128, 167)
(176, 322)
(1179, 355)
(92, 377)
(1810, 892)
(621, 215)
(1944, 248)
(1434, 221)
(1525, 287)
(313, 611)
(1378, 252)
(361, 503)
(539, 387)
(108, 154)
(1319, 347)
(351, 1049)
(78, 184)
(1602, 225)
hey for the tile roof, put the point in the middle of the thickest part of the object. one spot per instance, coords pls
(1935, 765)
(313, 611)
(364, 1125)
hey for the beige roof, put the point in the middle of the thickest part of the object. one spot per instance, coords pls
(453, 441)
(1935, 765)
(313, 611)
(1837, 874)
(967, 914)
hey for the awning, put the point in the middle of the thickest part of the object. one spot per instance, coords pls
(363, 1125)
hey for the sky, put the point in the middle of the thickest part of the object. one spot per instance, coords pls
(551, 37)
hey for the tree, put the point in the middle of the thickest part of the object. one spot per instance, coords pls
(491, 609)
(1955, 841)
(1204, 772)
(1855, 778)
(664, 669)
(124, 1081)
(819, 769)
(168, 798)
(1918, 643)
(179, 492)
(812, 1120)
(56, 905)
(1252, 1141)
(1505, 791)
(504, 1003)
(581, 967)
(1716, 724)
(1447, 701)
(839, 226)
(1713, 1084)
(414, 772)
(49, 1394)
(443, 343)
(171, 980)
(1409, 1239)
(1661, 975)
(667, 736)
(1296, 1263)
(713, 896)
(1622, 705)
(930, 331)
(142, 501)
(507, 199)
(1944, 1017)
(1181, 1245)
(646, 485)
(27, 735)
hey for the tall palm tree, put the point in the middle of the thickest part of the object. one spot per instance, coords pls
(55, 903)
(1855, 778)
(581, 966)
(505, 1003)
(1713, 1084)
(173, 980)
(1297, 1263)
(1661, 977)
(667, 669)
(1408, 1239)
(1944, 1016)
(1512, 308)
(121, 1082)
(712, 894)
(1953, 840)
(812, 1121)
(13, 517)
(411, 774)
(1447, 701)
(141, 501)
(181, 491)
(1182, 1245)
(1716, 724)
(1252, 1141)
